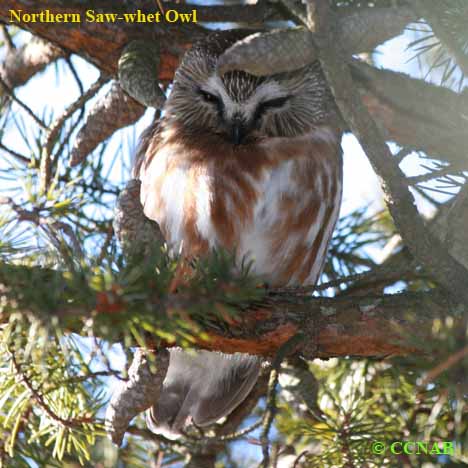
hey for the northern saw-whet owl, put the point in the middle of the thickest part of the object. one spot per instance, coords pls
(247, 163)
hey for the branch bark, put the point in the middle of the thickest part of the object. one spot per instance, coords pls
(102, 43)
(372, 325)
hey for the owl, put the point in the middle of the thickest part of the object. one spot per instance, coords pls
(250, 164)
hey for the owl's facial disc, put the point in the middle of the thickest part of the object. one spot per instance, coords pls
(240, 110)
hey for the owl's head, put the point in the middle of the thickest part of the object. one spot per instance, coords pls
(240, 107)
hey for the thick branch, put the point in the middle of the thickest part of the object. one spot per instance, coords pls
(426, 248)
(102, 43)
(358, 326)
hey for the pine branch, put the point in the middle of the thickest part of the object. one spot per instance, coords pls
(451, 361)
(432, 12)
(72, 423)
(269, 417)
(370, 325)
(429, 251)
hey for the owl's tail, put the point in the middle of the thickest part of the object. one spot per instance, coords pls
(202, 387)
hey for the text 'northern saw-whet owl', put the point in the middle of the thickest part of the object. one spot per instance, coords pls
(251, 164)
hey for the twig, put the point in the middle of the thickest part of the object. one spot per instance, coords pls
(10, 46)
(228, 428)
(72, 108)
(16, 155)
(52, 132)
(73, 71)
(298, 459)
(48, 225)
(433, 18)
(228, 437)
(443, 366)
(270, 410)
(379, 274)
(269, 417)
(433, 175)
(28, 110)
(39, 399)
(82, 378)
(107, 241)
(157, 438)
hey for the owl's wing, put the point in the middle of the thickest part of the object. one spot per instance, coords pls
(147, 138)
(201, 387)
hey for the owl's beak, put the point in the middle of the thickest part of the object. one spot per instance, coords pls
(238, 131)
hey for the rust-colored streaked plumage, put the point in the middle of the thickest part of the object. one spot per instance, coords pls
(247, 164)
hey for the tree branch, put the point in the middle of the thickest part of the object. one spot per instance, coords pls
(371, 325)
(427, 249)
(102, 43)
(19, 65)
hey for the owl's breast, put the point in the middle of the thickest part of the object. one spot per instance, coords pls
(275, 202)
